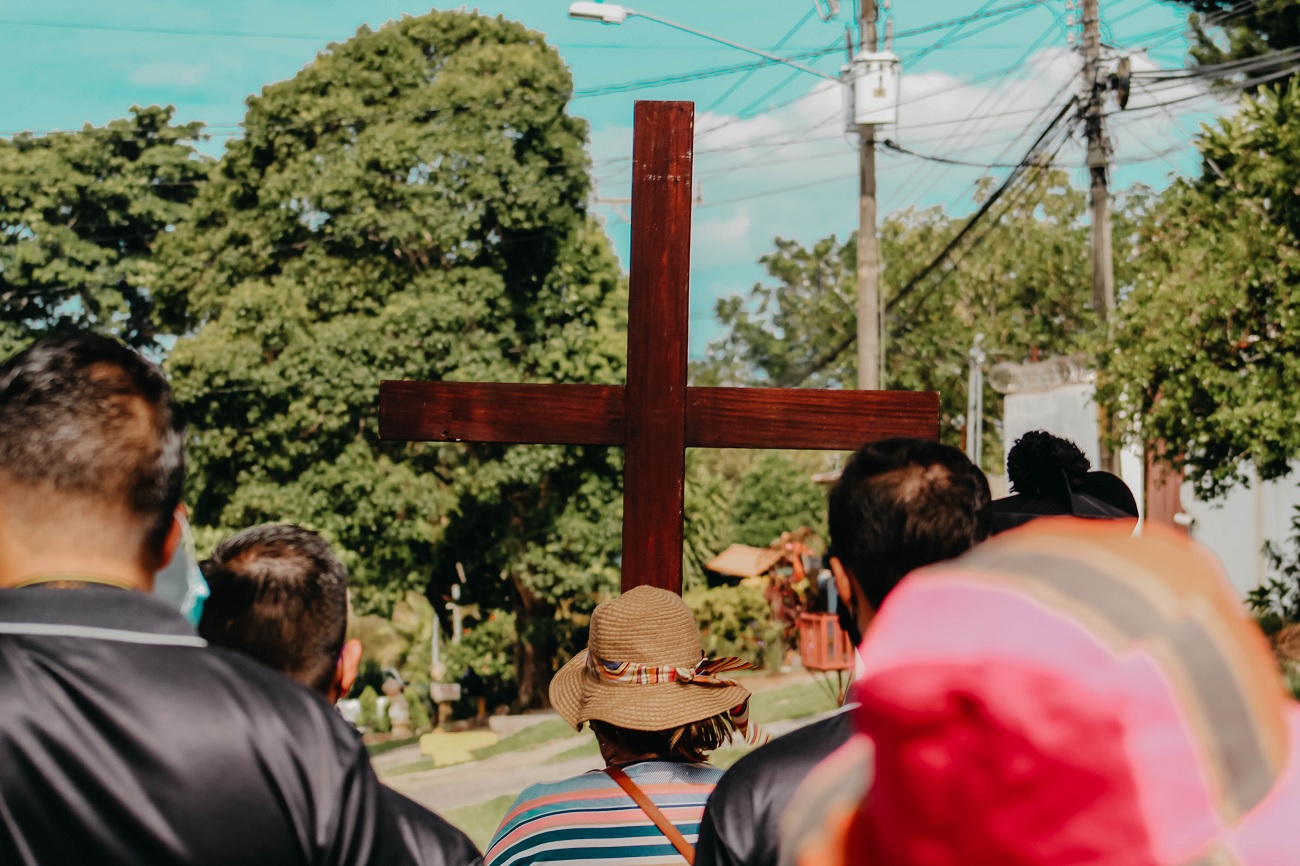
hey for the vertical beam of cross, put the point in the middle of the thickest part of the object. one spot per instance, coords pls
(662, 153)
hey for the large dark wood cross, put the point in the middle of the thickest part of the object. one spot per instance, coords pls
(656, 416)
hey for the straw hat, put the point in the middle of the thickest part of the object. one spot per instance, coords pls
(644, 668)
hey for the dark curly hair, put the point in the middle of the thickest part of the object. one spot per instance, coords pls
(1038, 462)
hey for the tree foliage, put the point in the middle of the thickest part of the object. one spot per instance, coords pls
(79, 215)
(1227, 30)
(1205, 355)
(1025, 286)
(747, 497)
(411, 205)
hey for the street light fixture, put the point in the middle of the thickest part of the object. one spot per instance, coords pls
(605, 13)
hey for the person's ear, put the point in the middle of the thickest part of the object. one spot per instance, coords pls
(172, 541)
(852, 597)
(843, 583)
(345, 673)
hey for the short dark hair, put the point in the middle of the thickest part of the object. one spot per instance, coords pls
(903, 503)
(82, 414)
(691, 742)
(279, 595)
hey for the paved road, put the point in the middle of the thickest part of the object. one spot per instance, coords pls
(461, 785)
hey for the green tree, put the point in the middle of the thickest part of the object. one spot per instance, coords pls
(1024, 284)
(1205, 353)
(79, 215)
(777, 494)
(411, 205)
(1228, 30)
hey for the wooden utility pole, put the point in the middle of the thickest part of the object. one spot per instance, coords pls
(869, 358)
(1103, 267)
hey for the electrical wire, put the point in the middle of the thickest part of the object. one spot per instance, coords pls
(1029, 160)
(807, 16)
(918, 176)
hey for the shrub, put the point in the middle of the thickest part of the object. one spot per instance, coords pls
(369, 715)
(417, 703)
(484, 663)
(737, 621)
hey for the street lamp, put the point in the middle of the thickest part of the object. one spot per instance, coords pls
(605, 13)
(872, 81)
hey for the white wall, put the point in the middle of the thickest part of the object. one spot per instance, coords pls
(1236, 526)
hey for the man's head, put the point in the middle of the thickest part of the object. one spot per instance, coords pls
(280, 595)
(91, 461)
(901, 504)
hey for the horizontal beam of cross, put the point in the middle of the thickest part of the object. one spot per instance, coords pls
(594, 415)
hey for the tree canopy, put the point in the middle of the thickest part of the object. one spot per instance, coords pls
(1228, 30)
(79, 215)
(411, 205)
(1205, 353)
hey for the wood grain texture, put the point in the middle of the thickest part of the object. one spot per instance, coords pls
(806, 419)
(594, 415)
(490, 412)
(659, 278)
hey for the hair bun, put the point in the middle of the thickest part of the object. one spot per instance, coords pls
(1038, 460)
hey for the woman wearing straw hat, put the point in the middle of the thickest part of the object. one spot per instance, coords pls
(657, 708)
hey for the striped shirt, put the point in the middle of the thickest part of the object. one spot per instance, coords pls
(590, 819)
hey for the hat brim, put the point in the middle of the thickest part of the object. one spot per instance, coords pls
(579, 697)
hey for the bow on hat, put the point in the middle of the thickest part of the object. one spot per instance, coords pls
(707, 672)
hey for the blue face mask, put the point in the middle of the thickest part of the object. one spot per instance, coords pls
(180, 583)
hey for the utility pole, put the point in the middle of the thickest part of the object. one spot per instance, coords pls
(869, 364)
(1103, 268)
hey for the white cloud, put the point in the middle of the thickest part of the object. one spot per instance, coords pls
(172, 74)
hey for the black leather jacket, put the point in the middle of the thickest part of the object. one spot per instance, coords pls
(124, 740)
(743, 815)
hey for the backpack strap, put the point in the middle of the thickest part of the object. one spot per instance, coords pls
(652, 811)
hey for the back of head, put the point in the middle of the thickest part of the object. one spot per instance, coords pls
(904, 503)
(1051, 476)
(91, 448)
(279, 595)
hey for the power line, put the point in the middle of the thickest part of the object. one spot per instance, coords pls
(918, 175)
(984, 208)
(1031, 159)
(798, 25)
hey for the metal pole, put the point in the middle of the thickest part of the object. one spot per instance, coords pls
(975, 402)
(869, 360)
(1103, 268)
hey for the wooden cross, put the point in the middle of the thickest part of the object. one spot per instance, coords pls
(656, 416)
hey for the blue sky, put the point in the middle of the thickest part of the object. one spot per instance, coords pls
(772, 158)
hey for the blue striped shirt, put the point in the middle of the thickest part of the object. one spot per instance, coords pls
(590, 819)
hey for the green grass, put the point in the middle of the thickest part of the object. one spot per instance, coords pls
(413, 767)
(726, 756)
(530, 737)
(791, 702)
(481, 820)
(389, 745)
(586, 750)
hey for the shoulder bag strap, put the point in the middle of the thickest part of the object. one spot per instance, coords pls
(652, 811)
